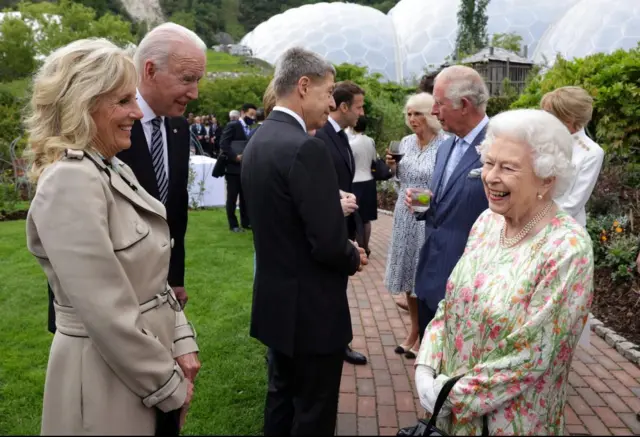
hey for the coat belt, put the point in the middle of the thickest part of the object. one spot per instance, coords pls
(68, 322)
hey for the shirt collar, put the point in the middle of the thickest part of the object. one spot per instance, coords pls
(293, 114)
(244, 125)
(471, 136)
(147, 112)
(335, 124)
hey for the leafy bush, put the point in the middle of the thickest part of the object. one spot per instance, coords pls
(614, 82)
(614, 245)
(498, 104)
(10, 123)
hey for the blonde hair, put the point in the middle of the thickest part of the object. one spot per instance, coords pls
(65, 92)
(422, 102)
(571, 104)
(269, 99)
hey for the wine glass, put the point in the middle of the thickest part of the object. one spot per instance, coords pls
(394, 150)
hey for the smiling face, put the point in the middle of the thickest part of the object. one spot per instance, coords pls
(113, 116)
(175, 84)
(510, 183)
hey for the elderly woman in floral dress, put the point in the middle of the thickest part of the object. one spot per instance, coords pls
(518, 299)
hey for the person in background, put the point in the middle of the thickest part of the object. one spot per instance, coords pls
(519, 296)
(415, 170)
(304, 258)
(191, 118)
(239, 130)
(234, 115)
(573, 106)
(364, 185)
(198, 129)
(460, 101)
(260, 116)
(116, 364)
(217, 135)
(349, 106)
(427, 82)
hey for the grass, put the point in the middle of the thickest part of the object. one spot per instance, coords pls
(230, 388)
(224, 62)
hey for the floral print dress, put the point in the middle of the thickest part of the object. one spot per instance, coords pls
(510, 321)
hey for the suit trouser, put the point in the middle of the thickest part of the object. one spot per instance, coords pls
(302, 395)
(234, 189)
(425, 316)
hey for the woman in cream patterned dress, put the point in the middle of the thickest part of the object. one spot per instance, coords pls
(414, 171)
(519, 297)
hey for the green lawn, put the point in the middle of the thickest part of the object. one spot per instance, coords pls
(230, 388)
(224, 62)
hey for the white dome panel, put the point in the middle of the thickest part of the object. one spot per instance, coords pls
(589, 27)
(341, 32)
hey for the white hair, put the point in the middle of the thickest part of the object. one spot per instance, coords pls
(549, 139)
(295, 63)
(464, 82)
(234, 114)
(161, 41)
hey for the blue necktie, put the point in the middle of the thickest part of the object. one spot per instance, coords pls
(454, 159)
(157, 156)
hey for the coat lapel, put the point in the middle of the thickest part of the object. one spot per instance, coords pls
(469, 158)
(139, 159)
(441, 161)
(337, 142)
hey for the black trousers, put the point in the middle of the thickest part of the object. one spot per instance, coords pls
(425, 316)
(302, 396)
(234, 189)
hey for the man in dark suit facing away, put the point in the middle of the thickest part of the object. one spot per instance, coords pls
(236, 130)
(349, 106)
(303, 255)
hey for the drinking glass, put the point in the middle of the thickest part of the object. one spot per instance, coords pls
(420, 200)
(394, 150)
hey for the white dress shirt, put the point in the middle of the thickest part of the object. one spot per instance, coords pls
(147, 116)
(587, 159)
(335, 124)
(293, 114)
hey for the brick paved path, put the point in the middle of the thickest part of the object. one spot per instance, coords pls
(380, 397)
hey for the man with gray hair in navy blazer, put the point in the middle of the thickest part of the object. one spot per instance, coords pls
(458, 199)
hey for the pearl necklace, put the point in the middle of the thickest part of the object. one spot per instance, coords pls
(510, 242)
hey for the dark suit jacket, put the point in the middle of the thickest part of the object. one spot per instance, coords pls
(303, 256)
(233, 131)
(448, 221)
(198, 130)
(345, 165)
(138, 157)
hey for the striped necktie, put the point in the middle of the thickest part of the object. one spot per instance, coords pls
(157, 156)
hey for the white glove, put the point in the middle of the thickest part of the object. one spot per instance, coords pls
(429, 388)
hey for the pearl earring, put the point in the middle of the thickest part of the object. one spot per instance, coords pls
(539, 196)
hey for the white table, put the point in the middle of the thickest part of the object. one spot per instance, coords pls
(204, 189)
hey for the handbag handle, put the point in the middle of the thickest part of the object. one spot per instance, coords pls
(442, 397)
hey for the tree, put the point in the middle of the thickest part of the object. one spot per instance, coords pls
(472, 27)
(230, 13)
(17, 49)
(186, 19)
(59, 24)
(509, 41)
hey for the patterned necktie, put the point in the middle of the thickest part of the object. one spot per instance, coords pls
(157, 156)
(454, 159)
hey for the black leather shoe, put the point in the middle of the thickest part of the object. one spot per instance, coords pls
(353, 357)
(248, 228)
(236, 230)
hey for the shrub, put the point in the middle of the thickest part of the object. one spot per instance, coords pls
(614, 245)
(613, 81)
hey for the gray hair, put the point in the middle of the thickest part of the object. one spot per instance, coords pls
(549, 139)
(158, 44)
(464, 82)
(422, 102)
(296, 63)
(234, 114)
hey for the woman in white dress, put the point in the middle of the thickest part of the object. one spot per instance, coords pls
(573, 106)
(414, 170)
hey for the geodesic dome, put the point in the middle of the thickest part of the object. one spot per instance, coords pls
(341, 32)
(418, 35)
(589, 27)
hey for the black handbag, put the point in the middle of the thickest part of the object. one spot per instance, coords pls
(424, 428)
(220, 168)
(380, 170)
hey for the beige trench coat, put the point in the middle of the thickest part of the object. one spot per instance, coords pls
(104, 245)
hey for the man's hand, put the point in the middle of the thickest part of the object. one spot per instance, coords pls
(364, 259)
(181, 295)
(190, 365)
(349, 206)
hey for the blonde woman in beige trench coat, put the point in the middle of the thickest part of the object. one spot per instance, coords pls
(104, 245)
